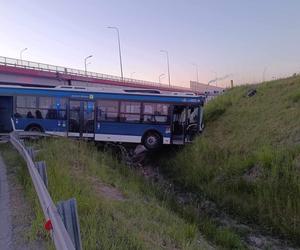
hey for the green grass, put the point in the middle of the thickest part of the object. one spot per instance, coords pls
(242, 135)
(140, 221)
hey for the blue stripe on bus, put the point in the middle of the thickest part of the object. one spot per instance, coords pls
(116, 128)
(46, 124)
(130, 128)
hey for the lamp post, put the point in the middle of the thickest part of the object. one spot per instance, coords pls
(85, 64)
(120, 55)
(167, 54)
(21, 52)
(160, 76)
(197, 74)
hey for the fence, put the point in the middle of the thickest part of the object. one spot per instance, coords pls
(59, 233)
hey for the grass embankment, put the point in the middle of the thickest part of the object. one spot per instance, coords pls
(117, 209)
(248, 158)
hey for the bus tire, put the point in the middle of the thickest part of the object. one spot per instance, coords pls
(34, 128)
(152, 140)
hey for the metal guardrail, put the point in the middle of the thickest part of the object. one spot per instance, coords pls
(6, 61)
(59, 233)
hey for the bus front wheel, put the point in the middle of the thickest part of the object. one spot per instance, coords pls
(152, 140)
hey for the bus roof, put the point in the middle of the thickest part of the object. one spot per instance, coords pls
(106, 92)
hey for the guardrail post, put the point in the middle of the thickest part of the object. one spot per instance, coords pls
(41, 168)
(68, 212)
(31, 152)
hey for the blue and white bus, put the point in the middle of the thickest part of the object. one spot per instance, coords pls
(103, 114)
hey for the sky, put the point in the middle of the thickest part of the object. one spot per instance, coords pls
(246, 40)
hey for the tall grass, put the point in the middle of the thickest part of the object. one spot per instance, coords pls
(248, 158)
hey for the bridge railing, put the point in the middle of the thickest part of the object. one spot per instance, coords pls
(77, 72)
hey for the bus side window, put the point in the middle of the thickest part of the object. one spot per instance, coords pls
(130, 111)
(108, 110)
(51, 108)
(155, 113)
(25, 106)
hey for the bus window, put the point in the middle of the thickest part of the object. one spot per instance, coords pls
(108, 110)
(130, 112)
(88, 117)
(74, 121)
(26, 101)
(155, 113)
(52, 108)
(26, 107)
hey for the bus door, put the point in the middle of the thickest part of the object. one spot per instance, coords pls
(192, 122)
(179, 124)
(6, 112)
(81, 119)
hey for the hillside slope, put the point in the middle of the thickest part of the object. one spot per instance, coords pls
(117, 209)
(248, 158)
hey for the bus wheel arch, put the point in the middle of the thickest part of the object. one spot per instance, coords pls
(34, 127)
(152, 139)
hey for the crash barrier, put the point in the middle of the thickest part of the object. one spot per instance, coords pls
(62, 221)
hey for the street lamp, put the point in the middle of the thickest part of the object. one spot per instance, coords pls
(21, 52)
(167, 54)
(85, 59)
(196, 65)
(120, 55)
(160, 76)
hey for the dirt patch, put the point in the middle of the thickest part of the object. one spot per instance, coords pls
(253, 174)
(100, 188)
(21, 215)
(5, 214)
(105, 190)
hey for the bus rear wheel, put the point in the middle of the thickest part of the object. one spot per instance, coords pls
(34, 128)
(152, 140)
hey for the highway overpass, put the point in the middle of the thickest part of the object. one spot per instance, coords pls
(22, 72)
